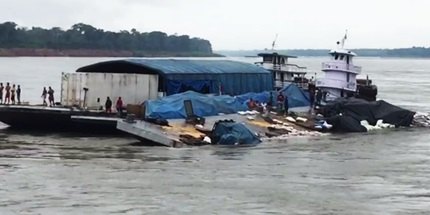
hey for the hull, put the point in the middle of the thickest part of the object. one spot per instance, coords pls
(55, 119)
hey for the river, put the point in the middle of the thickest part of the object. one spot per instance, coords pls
(385, 172)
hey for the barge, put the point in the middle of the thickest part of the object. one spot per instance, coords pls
(83, 93)
(57, 119)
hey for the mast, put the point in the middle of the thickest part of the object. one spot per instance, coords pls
(342, 44)
(274, 43)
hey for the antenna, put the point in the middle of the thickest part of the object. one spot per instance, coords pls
(344, 38)
(274, 42)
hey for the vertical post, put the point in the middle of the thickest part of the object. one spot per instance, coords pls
(61, 87)
(85, 97)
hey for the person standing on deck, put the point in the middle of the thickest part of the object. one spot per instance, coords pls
(108, 105)
(12, 94)
(7, 97)
(1, 93)
(44, 94)
(119, 105)
(312, 98)
(18, 94)
(51, 97)
(286, 105)
(280, 100)
(319, 97)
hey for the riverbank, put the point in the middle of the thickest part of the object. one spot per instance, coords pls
(28, 52)
(414, 52)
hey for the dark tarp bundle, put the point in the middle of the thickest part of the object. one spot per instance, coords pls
(172, 107)
(356, 110)
(297, 97)
(232, 133)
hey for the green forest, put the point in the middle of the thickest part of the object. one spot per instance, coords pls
(84, 36)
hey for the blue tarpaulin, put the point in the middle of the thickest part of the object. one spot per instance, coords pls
(233, 133)
(263, 97)
(172, 107)
(297, 97)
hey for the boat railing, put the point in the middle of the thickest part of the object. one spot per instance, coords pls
(335, 83)
(292, 68)
(280, 84)
(341, 66)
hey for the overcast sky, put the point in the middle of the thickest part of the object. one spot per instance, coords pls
(242, 24)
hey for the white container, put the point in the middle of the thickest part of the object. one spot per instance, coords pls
(132, 88)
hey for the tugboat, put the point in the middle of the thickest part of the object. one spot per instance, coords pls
(340, 77)
(284, 73)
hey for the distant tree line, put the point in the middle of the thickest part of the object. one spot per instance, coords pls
(420, 52)
(84, 36)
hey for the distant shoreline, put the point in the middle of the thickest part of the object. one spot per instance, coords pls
(29, 52)
(414, 52)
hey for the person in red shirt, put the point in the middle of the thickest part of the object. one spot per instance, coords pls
(119, 105)
(251, 104)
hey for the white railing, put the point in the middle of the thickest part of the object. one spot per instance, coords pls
(335, 83)
(341, 66)
(280, 84)
(292, 68)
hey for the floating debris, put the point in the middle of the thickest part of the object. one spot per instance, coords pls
(421, 120)
(379, 125)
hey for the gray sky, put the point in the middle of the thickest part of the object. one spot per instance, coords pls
(242, 24)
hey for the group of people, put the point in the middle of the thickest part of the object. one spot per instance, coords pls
(8, 94)
(281, 104)
(119, 105)
(50, 94)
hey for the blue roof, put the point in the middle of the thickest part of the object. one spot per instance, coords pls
(174, 66)
(230, 77)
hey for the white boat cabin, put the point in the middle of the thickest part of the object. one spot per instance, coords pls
(339, 75)
(283, 72)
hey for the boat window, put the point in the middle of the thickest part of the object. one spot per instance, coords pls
(347, 77)
(347, 59)
(336, 57)
(282, 60)
(341, 57)
(267, 59)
